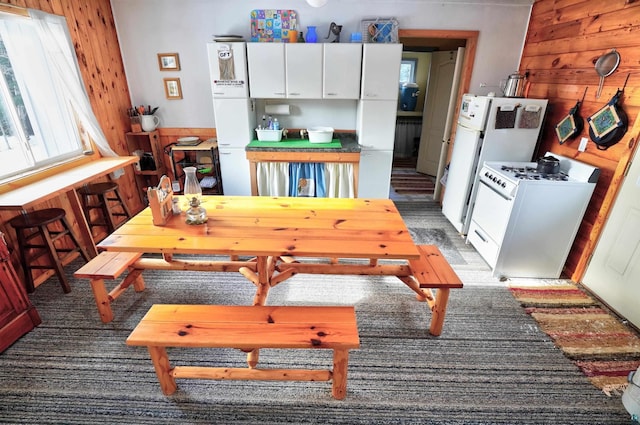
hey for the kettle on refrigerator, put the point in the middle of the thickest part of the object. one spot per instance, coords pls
(514, 86)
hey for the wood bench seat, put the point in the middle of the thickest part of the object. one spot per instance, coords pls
(433, 271)
(248, 328)
(110, 265)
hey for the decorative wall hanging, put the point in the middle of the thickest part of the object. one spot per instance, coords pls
(172, 89)
(609, 124)
(572, 124)
(168, 62)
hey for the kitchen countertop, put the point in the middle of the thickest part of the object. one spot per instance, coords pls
(348, 140)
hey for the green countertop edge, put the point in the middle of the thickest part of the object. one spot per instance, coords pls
(296, 144)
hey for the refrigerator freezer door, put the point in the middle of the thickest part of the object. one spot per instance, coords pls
(461, 175)
(375, 173)
(234, 167)
(473, 111)
(235, 122)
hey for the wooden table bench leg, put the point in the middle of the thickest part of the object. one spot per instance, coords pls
(339, 377)
(438, 311)
(162, 366)
(102, 300)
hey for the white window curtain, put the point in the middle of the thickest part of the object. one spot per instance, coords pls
(57, 44)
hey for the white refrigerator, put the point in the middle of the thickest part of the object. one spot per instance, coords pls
(234, 113)
(489, 129)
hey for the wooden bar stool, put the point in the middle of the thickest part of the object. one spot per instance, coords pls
(106, 199)
(34, 225)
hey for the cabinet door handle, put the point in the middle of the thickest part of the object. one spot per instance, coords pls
(279, 93)
(479, 235)
(332, 94)
(294, 94)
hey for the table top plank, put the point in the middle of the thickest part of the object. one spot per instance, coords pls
(22, 197)
(305, 227)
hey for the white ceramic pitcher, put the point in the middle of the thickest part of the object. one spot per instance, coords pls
(149, 122)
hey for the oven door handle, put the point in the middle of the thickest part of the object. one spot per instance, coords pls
(503, 196)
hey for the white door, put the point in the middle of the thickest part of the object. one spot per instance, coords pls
(228, 69)
(380, 71)
(234, 167)
(374, 174)
(266, 70)
(461, 176)
(435, 111)
(303, 70)
(342, 68)
(235, 121)
(614, 271)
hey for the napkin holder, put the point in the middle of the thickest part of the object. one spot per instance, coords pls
(160, 201)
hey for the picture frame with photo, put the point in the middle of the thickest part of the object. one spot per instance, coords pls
(169, 62)
(172, 88)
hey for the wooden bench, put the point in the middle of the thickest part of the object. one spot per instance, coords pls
(110, 265)
(248, 328)
(433, 271)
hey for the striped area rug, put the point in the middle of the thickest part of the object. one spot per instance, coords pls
(405, 180)
(604, 348)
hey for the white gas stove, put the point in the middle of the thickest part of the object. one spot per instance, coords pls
(524, 222)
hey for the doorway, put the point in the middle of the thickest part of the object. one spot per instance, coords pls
(434, 41)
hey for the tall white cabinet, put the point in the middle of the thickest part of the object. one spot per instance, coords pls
(376, 117)
(234, 113)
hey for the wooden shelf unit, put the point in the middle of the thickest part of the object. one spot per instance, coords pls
(148, 174)
(189, 156)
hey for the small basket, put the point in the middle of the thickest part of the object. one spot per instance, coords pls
(269, 135)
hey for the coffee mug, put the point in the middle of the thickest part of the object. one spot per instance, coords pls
(149, 122)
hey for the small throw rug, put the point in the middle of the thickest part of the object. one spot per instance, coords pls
(405, 180)
(600, 345)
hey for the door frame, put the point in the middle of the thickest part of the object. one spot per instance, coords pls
(471, 45)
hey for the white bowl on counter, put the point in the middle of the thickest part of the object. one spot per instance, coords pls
(320, 134)
(269, 135)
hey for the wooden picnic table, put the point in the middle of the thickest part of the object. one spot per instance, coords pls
(284, 236)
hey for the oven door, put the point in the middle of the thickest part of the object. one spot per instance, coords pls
(489, 222)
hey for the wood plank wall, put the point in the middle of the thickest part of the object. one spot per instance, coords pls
(564, 40)
(96, 44)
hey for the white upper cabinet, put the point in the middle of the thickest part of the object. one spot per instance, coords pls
(342, 67)
(303, 75)
(228, 70)
(380, 71)
(266, 70)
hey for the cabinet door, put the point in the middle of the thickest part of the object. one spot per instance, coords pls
(228, 69)
(342, 68)
(236, 175)
(375, 174)
(381, 71)
(235, 121)
(376, 126)
(266, 70)
(303, 71)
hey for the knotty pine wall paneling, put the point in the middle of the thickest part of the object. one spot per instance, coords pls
(96, 45)
(564, 40)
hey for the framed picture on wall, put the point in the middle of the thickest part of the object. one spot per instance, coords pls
(172, 88)
(168, 62)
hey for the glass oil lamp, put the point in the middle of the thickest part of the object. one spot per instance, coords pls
(195, 214)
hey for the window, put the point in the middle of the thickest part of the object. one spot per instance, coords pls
(38, 126)
(408, 71)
